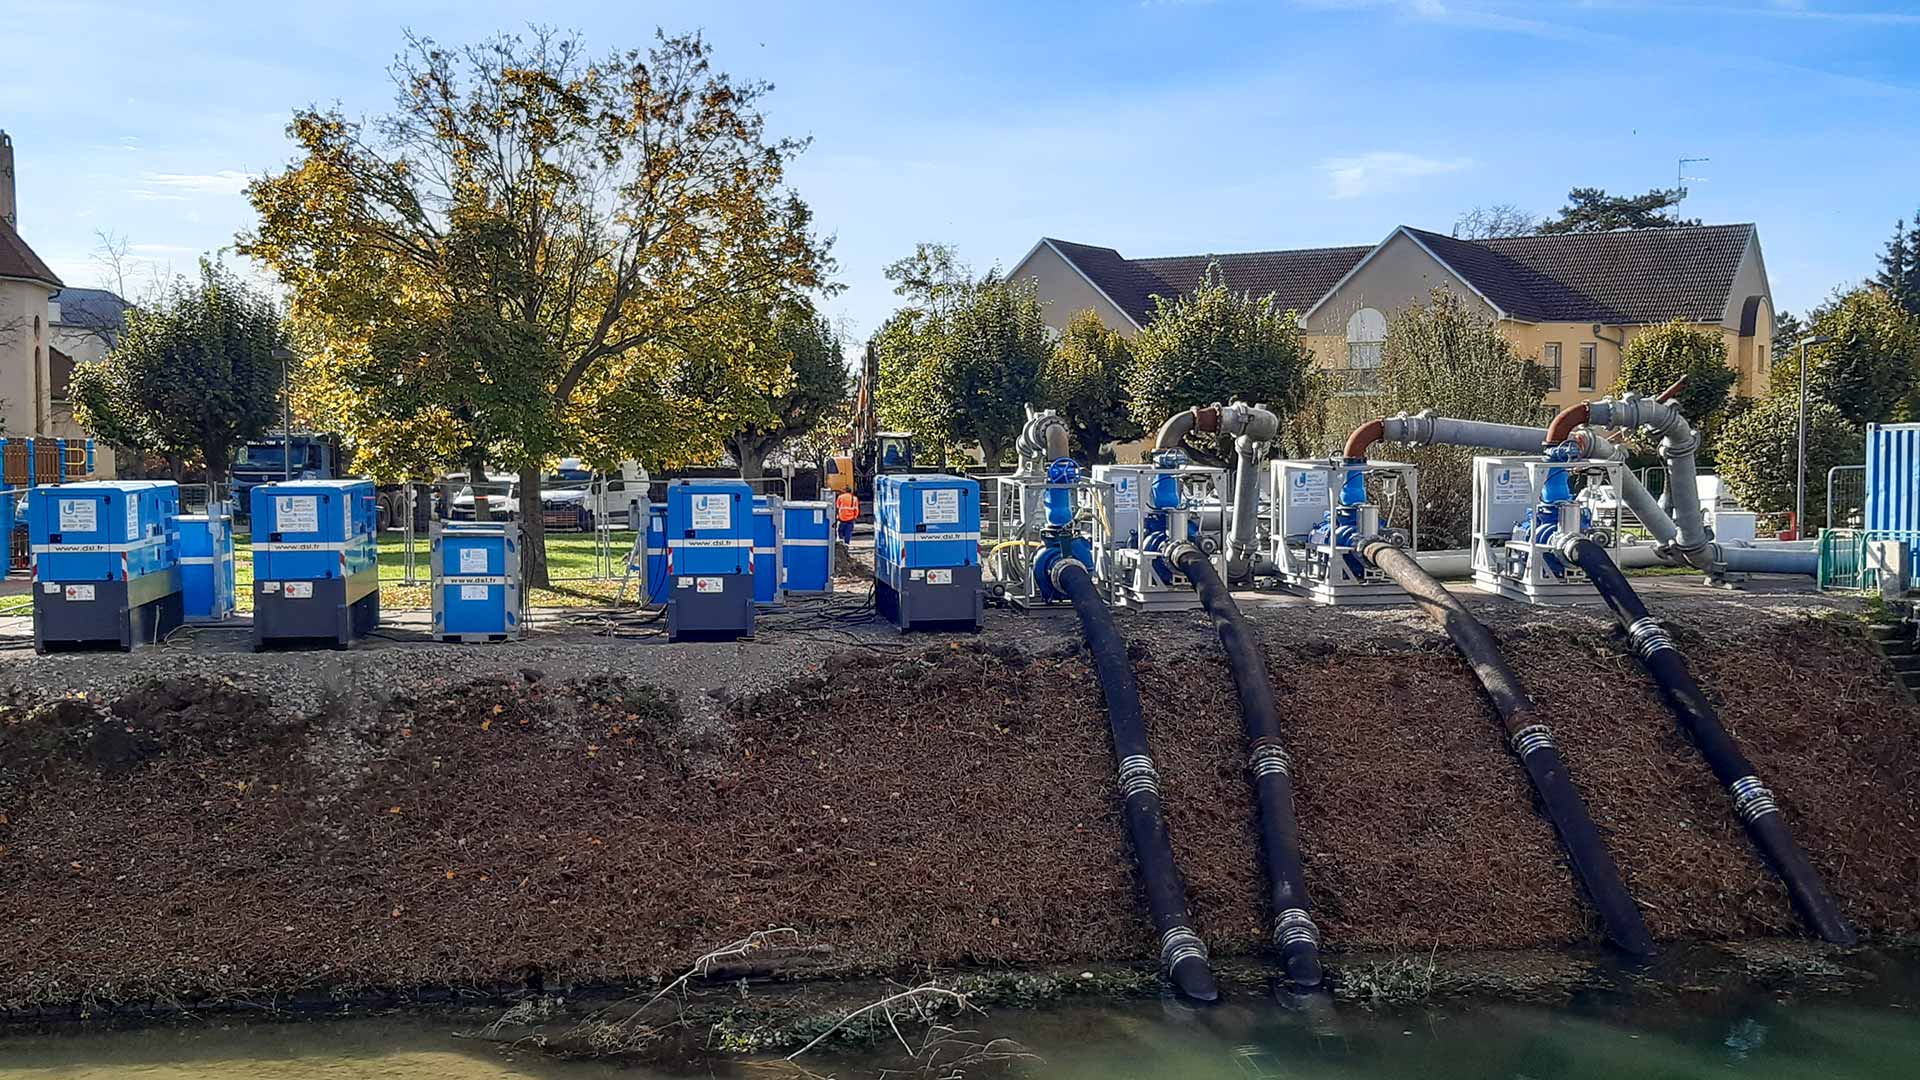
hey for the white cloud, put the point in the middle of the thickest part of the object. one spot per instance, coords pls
(224, 182)
(1383, 170)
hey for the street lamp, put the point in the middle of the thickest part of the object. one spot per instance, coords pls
(285, 356)
(1800, 441)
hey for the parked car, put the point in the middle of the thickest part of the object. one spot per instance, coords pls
(502, 495)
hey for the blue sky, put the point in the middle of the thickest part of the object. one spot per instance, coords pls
(1157, 127)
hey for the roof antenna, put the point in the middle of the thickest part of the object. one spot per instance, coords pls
(1680, 176)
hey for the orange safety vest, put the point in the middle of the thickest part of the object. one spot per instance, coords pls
(849, 505)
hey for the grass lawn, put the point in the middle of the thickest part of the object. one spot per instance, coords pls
(570, 560)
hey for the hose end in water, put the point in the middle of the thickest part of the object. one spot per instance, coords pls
(1184, 956)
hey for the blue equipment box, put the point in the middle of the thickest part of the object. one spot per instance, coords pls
(806, 547)
(476, 581)
(316, 568)
(106, 562)
(649, 555)
(767, 590)
(927, 551)
(206, 564)
(709, 559)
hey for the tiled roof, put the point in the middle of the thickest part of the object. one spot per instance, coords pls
(17, 260)
(1637, 276)
(92, 309)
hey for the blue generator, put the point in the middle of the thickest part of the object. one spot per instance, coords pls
(648, 558)
(316, 571)
(206, 564)
(709, 560)
(767, 590)
(106, 563)
(476, 581)
(926, 551)
(806, 547)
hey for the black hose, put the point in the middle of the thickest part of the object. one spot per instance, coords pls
(1753, 804)
(1531, 742)
(1293, 928)
(1182, 952)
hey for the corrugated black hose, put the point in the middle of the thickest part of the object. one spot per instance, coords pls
(1753, 804)
(1293, 930)
(1531, 742)
(1182, 953)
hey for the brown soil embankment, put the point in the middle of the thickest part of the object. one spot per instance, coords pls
(937, 807)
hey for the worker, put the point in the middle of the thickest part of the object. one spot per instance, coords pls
(848, 504)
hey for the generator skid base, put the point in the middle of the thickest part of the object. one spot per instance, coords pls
(335, 610)
(949, 598)
(107, 614)
(710, 607)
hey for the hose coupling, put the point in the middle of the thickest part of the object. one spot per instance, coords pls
(1269, 759)
(1751, 800)
(1138, 777)
(1529, 739)
(1180, 943)
(1179, 549)
(1059, 566)
(1647, 637)
(1563, 545)
(1295, 927)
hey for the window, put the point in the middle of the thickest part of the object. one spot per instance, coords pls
(1550, 359)
(1366, 334)
(1588, 351)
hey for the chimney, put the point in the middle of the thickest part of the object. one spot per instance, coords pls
(9, 212)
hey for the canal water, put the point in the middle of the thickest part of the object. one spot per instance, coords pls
(1865, 1026)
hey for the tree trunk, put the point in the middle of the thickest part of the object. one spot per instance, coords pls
(751, 452)
(216, 457)
(476, 483)
(533, 530)
(993, 451)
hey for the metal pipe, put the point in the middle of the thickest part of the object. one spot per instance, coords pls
(1678, 443)
(1182, 954)
(1753, 804)
(1531, 741)
(1426, 428)
(1768, 560)
(1294, 932)
(1174, 430)
(1043, 438)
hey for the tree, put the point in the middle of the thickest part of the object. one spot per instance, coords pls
(1787, 332)
(1656, 359)
(1896, 266)
(772, 413)
(1593, 210)
(1758, 452)
(1492, 222)
(530, 244)
(1085, 379)
(1909, 291)
(1213, 344)
(1443, 356)
(195, 373)
(1868, 370)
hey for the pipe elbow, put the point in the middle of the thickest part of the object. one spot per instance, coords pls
(1175, 429)
(1565, 421)
(1363, 438)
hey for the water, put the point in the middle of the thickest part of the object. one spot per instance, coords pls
(1868, 1028)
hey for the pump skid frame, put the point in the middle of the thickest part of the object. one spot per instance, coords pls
(1306, 494)
(1020, 517)
(1130, 574)
(1506, 489)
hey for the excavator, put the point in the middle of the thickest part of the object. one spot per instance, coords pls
(872, 451)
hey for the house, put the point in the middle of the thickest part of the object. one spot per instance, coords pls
(26, 326)
(1567, 302)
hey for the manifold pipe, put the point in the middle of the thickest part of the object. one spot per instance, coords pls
(1531, 742)
(1043, 438)
(1768, 560)
(1753, 804)
(1253, 427)
(1678, 444)
(1182, 954)
(1294, 932)
(1427, 428)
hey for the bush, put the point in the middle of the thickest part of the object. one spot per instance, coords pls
(1658, 358)
(1757, 454)
(1868, 370)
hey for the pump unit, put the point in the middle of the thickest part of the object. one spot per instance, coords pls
(926, 560)
(1321, 511)
(476, 581)
(1521, 505)
(806, 547)
(206, 563)
(709, 542)
(1042, 516)
(316, 571)
(1147, 509)
(767, 591)
(106, 563)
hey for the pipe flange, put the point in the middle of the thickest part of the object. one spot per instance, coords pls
(1270, 759)
(1180, 943)
(1751, 799)
(1138, 776)
(1059, 566)
(1295, 927)
(1529, 739)
(1647, 637)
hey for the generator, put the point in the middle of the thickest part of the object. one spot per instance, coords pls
(767, 590)
(316, 571)
(926, 561)
(709, 568)
(1521, 505)
(1148, 508)
(1320, 512)
(476, 581)
(206, 564)
(106, 563)
(806, 547)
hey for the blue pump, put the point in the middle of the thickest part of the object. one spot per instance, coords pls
(1542, 523)
(1340, 525)
(1059, 500)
